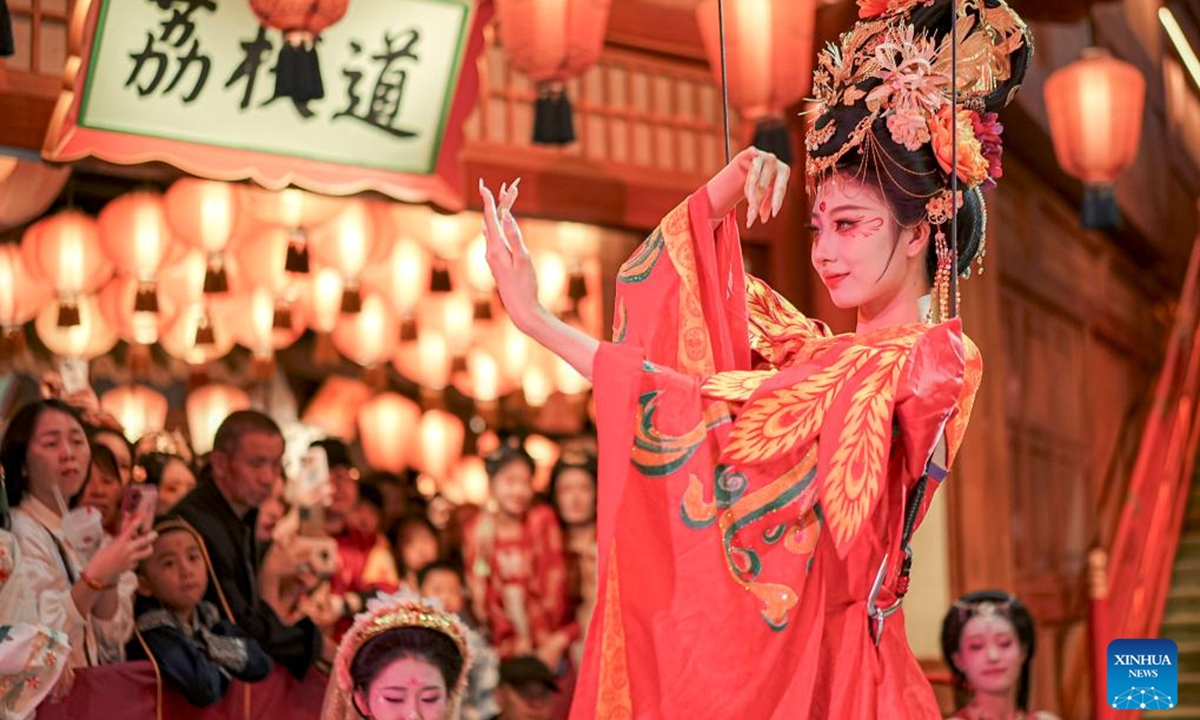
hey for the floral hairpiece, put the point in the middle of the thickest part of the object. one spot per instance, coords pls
(914, 91)
(984, 608)
(392, 612)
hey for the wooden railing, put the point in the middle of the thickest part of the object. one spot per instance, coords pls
(1130, 579)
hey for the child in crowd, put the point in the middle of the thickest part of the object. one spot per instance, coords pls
(196, 650)
(443, 582)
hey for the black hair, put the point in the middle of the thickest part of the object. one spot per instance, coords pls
(438, 566)
(511, 450)
(1008, 607)
(240, 423)
(434, 647)
(405, 526)
(95, 431)
(154, 464)
(370, 494)
(910, 178)
(337, 453)
(570, 460)
(14, 448)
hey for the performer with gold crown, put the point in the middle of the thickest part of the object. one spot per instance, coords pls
(760, 477)
(403, 659)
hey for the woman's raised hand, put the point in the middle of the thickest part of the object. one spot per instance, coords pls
(766, 183)
(754, 175)
(507, 256)
(123, 554)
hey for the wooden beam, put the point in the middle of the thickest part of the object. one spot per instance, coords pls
(657, 29)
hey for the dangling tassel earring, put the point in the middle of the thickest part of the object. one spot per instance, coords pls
(941, 280)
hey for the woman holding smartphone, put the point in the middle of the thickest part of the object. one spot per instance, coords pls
(74, 580)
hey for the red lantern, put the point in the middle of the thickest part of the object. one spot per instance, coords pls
(296, 211)
(367, 337)
(387, 424)
(137, 408)
(440, 441)
(205, 214)
(200, 334)
(297, 72)
(403, 278)
(135, 235)
(88, 338)
(469, 483)
(22, 293)
(207, 408)
(256, 323)
(65, 250)
(552, 41)
(768, 59)
(346, 243)
(1095, 109)
(119, 307)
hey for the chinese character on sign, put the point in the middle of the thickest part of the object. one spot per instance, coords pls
(254, 51)
(382, 109)
(175, 32)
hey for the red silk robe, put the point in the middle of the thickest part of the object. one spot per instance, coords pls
(533, 562)
(754, 472)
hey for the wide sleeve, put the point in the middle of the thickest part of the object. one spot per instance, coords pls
(113, 633)
(681, 295)
(45, 578)
(185, 667)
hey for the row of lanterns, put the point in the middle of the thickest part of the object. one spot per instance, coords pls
(395, 433)
(209, 265)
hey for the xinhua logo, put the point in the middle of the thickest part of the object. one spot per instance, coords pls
(1143, 674)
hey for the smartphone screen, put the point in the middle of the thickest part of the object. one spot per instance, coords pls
(141, 498)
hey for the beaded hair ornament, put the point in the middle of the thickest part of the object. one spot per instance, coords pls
(903, 76)
(393, 612)
(984, 608)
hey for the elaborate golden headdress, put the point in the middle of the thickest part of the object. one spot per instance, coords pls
(384, 614)
(892, 72)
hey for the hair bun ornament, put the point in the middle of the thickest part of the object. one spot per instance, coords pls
(895, 65)
(403, 609)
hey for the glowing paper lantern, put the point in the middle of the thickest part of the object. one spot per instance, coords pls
(387, 424)
(253, 321)
(468, 483)
(552, 41)
(207, 408)
(569, 380)
(199, 335)
(295, 211)
(1095, 109)
(451, 316)
(119, 306)
(90, 337)
(205, 214)
(552, 279)
(320, 300)
(137, 238)
(65, 250)
(22, 293)
(440, 441)
(344, 244)
(367, 337)
(403, 278)
(137, 408)
(426, 361)
(768, 59)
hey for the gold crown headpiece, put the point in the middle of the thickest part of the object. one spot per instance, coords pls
(393, 612)
(904, 75)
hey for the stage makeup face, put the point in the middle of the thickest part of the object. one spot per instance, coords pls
(990, 655)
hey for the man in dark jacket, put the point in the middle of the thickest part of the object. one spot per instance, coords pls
(247, 461)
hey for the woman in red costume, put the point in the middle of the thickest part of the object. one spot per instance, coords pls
(760, 477)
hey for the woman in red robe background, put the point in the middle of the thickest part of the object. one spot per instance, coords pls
(760, 477)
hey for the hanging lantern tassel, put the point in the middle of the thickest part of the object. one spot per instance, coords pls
(1100, 211)
(408, 329)
(298, 73)
(351, 300)
(439, 279)
(552, 119)
(325, 353)
(483, 309)
(146, 299)
(297, 252)
(282, 317)
(771, 134)
(68, 314)
(216, 280)
(139, 360)
(205, 336)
